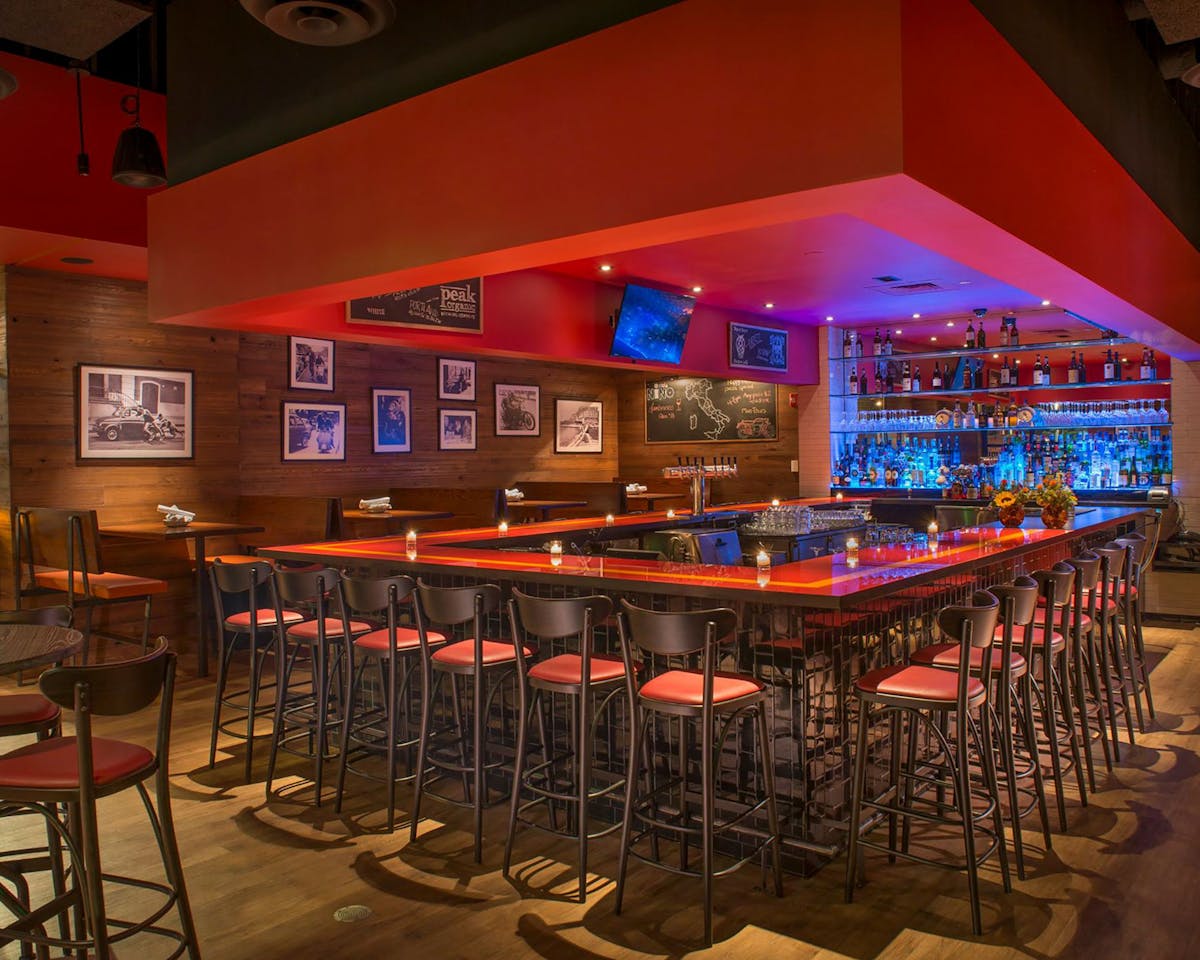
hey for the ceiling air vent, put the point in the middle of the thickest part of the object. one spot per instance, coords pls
(911, 288)
(887, 278)
(323, 23)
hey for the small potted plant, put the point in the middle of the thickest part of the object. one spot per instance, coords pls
(1009, 504)
(1057, 500)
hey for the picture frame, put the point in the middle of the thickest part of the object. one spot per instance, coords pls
(312, 431)
(578, 425)
(758, 348)
(391, 420)
(456, 379)
(133, 413)
(457, 428)
(310, 364)
(518, 410)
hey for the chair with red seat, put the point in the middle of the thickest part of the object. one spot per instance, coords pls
(397, 652)
(1112, 640)
(257, 630)
(591, 682)
(57, 552)
(76, 772)
(707, 703)
(1129, 615)
(929, 697)
(486, 662)
(313, 711)
(31, 713)
(1090, 700)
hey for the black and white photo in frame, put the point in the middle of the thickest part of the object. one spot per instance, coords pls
(391, 420)
(310, 364)
(518, 410)
(133, 413)
(456, 429)
(313, 431)
(456, 379)
(578, 426)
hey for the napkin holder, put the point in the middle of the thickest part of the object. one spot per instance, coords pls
(175, 516)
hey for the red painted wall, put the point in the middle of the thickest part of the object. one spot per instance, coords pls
(42, 190)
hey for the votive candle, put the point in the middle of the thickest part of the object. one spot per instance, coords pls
(410, 544)
(502, 528)
(609, 519)
(556, 550)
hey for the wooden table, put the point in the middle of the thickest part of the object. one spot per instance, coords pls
(393, 521)
(24, 646)
(652, 498)
(197, 530)
(543, 507)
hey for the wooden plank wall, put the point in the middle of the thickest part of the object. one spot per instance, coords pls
(764, 466)
(359, 367)
(5, 460)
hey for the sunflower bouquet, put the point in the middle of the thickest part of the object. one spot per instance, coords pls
(1009, 504)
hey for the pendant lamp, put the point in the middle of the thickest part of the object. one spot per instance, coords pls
(138, 161)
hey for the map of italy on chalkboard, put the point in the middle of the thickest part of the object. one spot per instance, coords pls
(700, 410)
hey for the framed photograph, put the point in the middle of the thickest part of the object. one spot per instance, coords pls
(456, 429)
(518, 410)
(456, 379)
(310, 364)
(758, 348)
(133, 413)
(578, 426)
(313, 431)
(391, 414)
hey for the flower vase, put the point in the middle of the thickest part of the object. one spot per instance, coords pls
(1012, 516)
(1054, 518)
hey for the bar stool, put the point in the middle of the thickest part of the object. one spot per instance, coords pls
(1053, 692)
(700, 697)
(78, 770)
(591, 681)
(1114, 559)
(314, 713)
(931, 696)
(396, 652)
(1129, 614)
(487, 663)
(31, 713)
(1011, 704)
(1089, 698)
(257, 628)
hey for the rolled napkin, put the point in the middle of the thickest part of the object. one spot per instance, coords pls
(513, 494)
(175, 514)
(376, 503)
(635, 488)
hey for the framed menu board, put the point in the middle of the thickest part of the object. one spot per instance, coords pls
(457, 306)
(758, 348)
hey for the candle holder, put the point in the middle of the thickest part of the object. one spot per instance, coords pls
(839, 498)
(774, 501)
(932, 531)
(670, 514)
(556, 550)
(410, 544)
(852, 550)
(609, 519)
(502, 528)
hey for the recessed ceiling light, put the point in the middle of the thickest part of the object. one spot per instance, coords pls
(606, 268)
(933, 339)
(995, 356)
(829, 319)
(964, 283)
(1045, 303)
(1018, 359)
(916, 316)
(697, 289)
(898, 332)
(949, 323)
(77, 260)
(769, 305)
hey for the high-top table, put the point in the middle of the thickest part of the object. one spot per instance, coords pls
(543, 507)
(649, 499)
(396, 520)
(197, 530)
(25, 646)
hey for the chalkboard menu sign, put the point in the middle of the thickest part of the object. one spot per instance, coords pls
(700, 410)
(454, 306)
(757, 348)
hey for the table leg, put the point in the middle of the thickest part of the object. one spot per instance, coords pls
(201, 622)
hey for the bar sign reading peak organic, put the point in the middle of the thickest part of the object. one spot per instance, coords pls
(456, 305)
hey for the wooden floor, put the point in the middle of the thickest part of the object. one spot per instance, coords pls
(267, 877)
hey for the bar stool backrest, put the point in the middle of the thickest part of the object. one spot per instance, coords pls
(59, 616)
(974, 623)
(450, 606)
(677, 633)
(1139, 555)
(371, 595)
(1087, 570)
(111, 689)
(555, 619)
(305, 586)
(241, 577)
(1056, 583)
(1023, 592)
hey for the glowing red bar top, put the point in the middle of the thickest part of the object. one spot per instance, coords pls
(830, 580)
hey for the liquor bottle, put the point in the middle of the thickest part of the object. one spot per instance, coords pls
(858, 345)
(877, 346)
(979, 377)
(1108, 365)
(935, 382)
(853, 382)
(864, 385)
(1011, 413)
(971, 418)
(1004, 331)
(887, 346)
(969, 340)
(906, 383)
(1123, 476)
(1037, 371)
(980, 336)
(1014, 336)
(957, 417)
(1046, 371)
(1167, 476)
(1144, 367)
(1072, 370)
(1143, 475)
(878, 377)
(1117, 364)
(916, 378)
(1153, 366)
(1005, 374)
(847, 345)
(891, 380)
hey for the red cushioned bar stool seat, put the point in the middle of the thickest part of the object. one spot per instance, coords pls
(947, 655)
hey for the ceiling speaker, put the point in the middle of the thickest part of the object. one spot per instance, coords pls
(323, 23)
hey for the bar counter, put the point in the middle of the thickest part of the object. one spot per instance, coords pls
(807, 629)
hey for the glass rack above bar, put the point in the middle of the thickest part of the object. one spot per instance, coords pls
(1004, 391)
(984, 351)
(983, 428)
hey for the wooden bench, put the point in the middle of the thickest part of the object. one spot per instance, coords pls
(472, 506)
(602, 496)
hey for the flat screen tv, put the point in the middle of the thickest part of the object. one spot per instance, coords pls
(652, 324)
